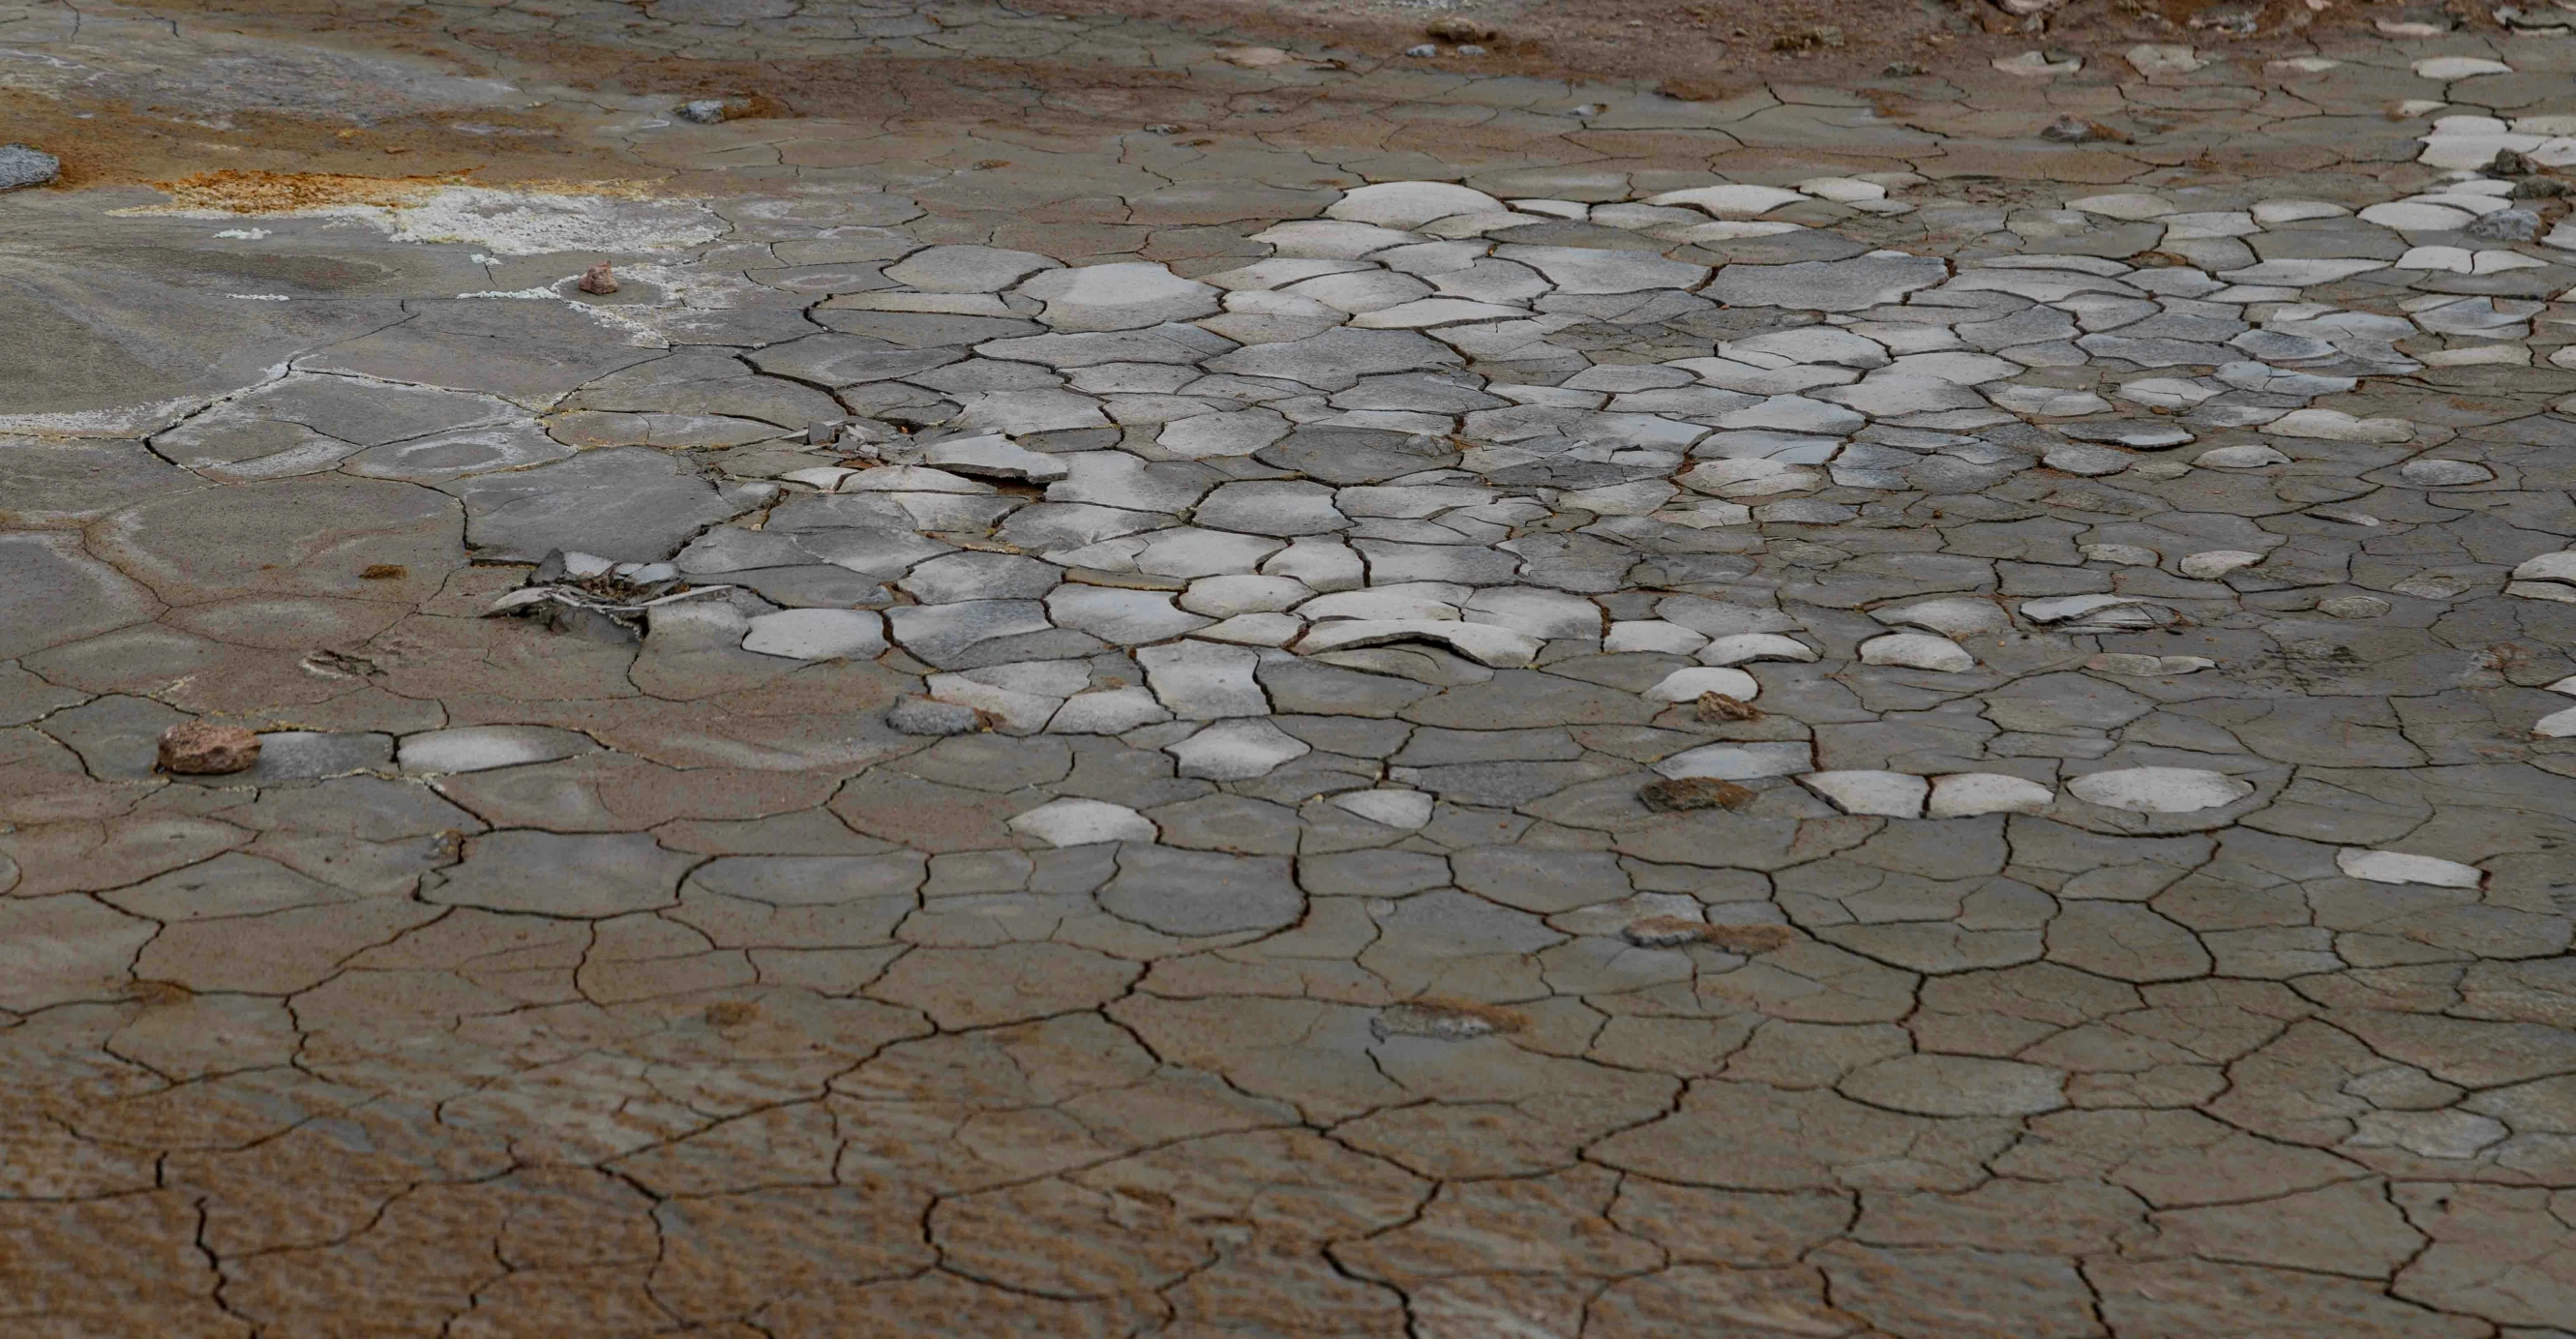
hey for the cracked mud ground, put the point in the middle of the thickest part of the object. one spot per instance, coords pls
(1140, 684)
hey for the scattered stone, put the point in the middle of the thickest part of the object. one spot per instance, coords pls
(599, 280)
(1458, 28)
(21, 167)
(702, 111)
(207, 748)
(1422, 52)
(2399, 867)
(1676, 795)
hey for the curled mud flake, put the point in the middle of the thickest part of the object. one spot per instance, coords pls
(1678, 932)
(731, 1013)
(1444, 1020)
(383, 572)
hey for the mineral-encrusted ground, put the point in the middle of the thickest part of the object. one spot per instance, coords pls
(1161, 687)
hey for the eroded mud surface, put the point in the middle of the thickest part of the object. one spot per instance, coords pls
(1137, 684)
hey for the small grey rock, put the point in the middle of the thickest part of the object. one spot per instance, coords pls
(1418, 52)
(704, 111)
(23, 166)
(923, 716)
(2504, 225)
(2353, 606)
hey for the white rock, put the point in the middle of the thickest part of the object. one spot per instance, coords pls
(2035, 65)
(2447, 68)
(1484, 643)
(1128, 295)
(1535, 610)
(818, 634)
(1402, 809)
(1410, 204)
(1254, 630)
(1331, 239)
(1404, 600)
(1432, 312)
(2126, 205)
(1019, 711)
(1325, 563)
(1652, 635)
(2337, 426)
(2065, 608)
(1752, 476)
(2559, 566)
(1954, 616)
(1887, 794)
(2407, 216)
(912, 479)
(1072, 822)
(2152, 59)
(1119, 616)
(1743, 648)
(2399, 867)
(1113, 711)
(2452, 259)
(1227, 596)
(480, 748)
(1729, 201)
(1236, 750)
(2430, 472)
(1686, 685)
(2556, 725)
(1201, 681)
(2211, 564)
(1230, 433)
(1738, 762)
(2159, 790)
(2294, 211)
(994, 456)
(2247, 457)
(1967, 794)
(1843, 190)
(1917, 650)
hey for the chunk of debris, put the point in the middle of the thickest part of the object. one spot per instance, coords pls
(1680, 795)
(598, 279)
(206, 748)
